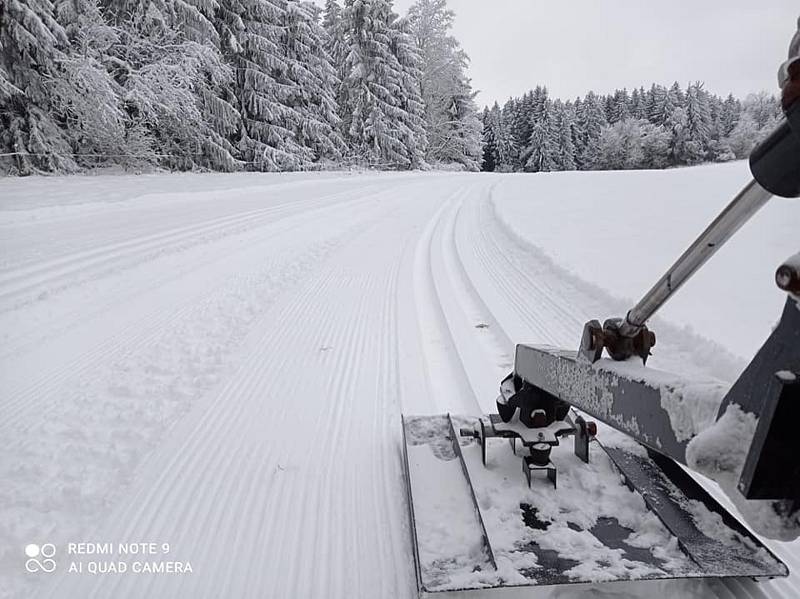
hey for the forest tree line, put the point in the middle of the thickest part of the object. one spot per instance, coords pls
(227, 85)
(655, 128)
(278, 85)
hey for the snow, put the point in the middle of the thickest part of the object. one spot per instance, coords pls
(622, 232)
(719, 452)
(691, 403)
(583, 497)
(219, 362)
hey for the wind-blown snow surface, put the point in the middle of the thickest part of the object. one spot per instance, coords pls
(220, 362)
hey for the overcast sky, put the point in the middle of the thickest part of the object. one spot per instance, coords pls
(576, 45)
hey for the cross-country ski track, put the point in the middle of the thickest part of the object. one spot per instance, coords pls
(224, 370)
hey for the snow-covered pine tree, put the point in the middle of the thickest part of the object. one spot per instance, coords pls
(715, 111)
(373, 86)
(267, 138)
(489, 162)
(309, 85)
(563, 121)
(672, 116)
(620, 106)
(508, 146)
(638, 108)
(411, 103)
(192, 17)
(451, 117)
(336, 46)
(729, 115)
(698, 124)
(590, 118)
(609, 107)
(676, 124)
(466, 129)
(674, 99)
(521, 124)
(215, 92)
(333, 25)
(540, 153)
(32, 45)
(201, 21)
(656, 96)
(578, 137)
(538, 105)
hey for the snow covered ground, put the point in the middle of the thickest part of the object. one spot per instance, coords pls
(219, 362)
(644, 220)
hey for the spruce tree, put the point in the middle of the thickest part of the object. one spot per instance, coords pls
(540, 154)
(451, 117)
(336, 47)
(309, 83)
(590, 120)
(489, 162)
(521, 123)
(698, 124)
(410, 101)
(729, 115)
(373, 87)
(267, 137)
(656, 97)
(507, 148)
(565, 149)
(620, 106)
(333, 25)
(32, 46)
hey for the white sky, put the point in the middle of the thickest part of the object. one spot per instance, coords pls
(576, 45)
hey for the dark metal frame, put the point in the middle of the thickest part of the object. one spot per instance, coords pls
(633, 404)
(772, 470)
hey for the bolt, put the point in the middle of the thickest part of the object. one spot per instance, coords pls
(787, 278)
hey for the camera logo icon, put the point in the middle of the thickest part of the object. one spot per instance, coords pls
(40, 558)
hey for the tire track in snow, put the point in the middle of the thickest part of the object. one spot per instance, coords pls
(446, 378)
(484, 348)
(466, 351)
(548, 314)
(387, 432)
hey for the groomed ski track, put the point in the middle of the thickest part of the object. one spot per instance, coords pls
(224, 371)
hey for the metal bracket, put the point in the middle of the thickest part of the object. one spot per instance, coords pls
(528, 466)
(582, 438)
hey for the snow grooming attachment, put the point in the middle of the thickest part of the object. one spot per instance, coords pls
(631, 512)
(624, 515)
(542, 421)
